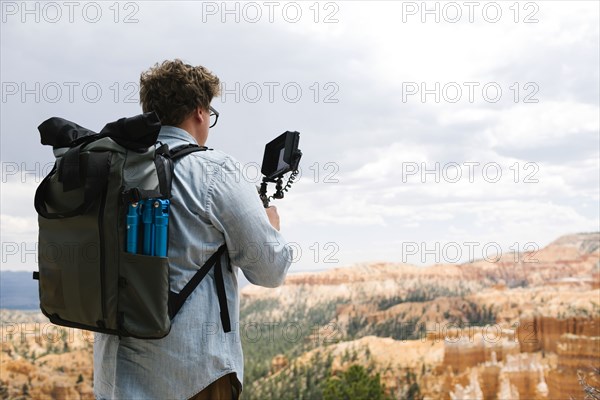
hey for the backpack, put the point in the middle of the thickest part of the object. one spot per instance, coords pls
(91, 273)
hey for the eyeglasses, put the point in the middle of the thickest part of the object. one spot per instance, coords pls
(214, 116)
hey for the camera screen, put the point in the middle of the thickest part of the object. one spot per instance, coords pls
(279, 155)
(282, 164)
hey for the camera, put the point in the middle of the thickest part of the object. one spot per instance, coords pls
(281, 156)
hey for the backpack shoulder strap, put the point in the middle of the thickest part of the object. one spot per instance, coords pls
(184, 150)
(176, 300)
(164, 170)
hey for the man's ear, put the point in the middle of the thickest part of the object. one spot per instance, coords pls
(198, 114)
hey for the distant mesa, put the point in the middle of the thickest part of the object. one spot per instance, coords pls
(18, 291)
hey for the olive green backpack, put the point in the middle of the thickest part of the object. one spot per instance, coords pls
(87, 277)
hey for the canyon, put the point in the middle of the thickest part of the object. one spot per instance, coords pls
(510, 329)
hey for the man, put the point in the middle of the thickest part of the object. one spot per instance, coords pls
(211, 205)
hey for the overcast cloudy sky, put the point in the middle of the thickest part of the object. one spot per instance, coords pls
(431, 132)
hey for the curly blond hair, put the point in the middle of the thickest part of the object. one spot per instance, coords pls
(174, 90)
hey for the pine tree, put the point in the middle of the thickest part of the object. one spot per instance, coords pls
(354, 383)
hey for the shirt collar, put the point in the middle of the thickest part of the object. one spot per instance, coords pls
(172, 132)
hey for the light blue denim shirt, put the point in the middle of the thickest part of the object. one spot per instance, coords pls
(212, 204)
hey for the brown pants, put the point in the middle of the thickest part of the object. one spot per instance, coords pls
(224, 388)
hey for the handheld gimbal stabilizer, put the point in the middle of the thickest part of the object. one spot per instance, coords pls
(281, 156)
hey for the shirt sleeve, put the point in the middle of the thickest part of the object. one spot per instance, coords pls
(236, 210)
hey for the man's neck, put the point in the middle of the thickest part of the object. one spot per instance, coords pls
(190, 129)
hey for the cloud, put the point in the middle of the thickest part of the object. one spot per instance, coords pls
(527, 126)
(359, 136)
(18, 226)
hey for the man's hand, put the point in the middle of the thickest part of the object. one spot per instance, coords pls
(273, 216)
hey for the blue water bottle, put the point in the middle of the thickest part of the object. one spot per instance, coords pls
(161, 223)
(133, 218)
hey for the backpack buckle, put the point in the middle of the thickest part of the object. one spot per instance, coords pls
(131, 196)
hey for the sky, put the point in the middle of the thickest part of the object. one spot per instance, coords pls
(431, 132)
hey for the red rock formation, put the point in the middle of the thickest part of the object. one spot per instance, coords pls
(490, 380)
(596, 277)
(523, 372)
(575, 353)
(469, 352)
(543, 333)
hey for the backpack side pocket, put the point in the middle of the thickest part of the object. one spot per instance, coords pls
(144, 296)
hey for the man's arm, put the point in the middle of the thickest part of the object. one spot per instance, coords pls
(273, 217)
(251, 233)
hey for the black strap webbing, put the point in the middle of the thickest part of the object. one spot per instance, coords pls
(185, 149)
(176, 300)
(69, 170)
(135, 195)
(220, 284)
(164, 171)
(95, 173)
(164, 165)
